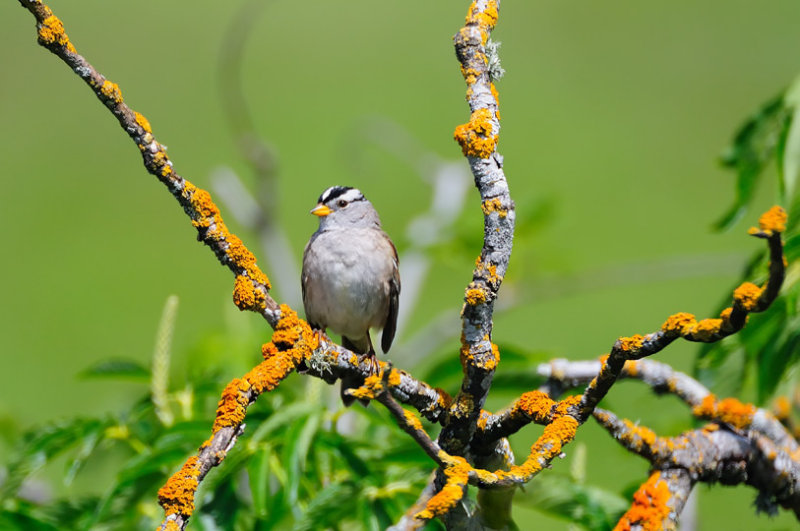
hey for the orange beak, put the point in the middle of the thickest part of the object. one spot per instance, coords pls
(321, 210)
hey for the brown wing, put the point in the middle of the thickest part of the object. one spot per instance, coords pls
(390, 327)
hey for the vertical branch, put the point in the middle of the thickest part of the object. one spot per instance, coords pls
(478, 140)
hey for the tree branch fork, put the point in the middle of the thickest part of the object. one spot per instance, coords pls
(741, 444)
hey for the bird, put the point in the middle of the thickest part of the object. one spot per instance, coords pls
(351, 279)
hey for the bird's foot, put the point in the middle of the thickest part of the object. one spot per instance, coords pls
(373, 365)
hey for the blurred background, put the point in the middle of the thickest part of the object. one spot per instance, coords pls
(613, 120)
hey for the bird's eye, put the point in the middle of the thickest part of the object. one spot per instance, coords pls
(342, 203)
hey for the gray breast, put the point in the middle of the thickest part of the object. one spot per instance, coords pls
(346, 273)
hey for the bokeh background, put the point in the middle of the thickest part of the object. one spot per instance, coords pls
(614, 115)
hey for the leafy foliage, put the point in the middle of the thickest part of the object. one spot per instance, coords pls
(293, 467)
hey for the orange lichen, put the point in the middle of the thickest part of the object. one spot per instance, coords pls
(268, 350)
(563, 406)
(496, 97)
(773, 220)
(457, 475)
(494, 205)
(486, 19)
(111, 91)
(631, 368)
(729, 410)
(51, 31)
(240, 255)
(649, 508)
(370, 390)
(706, 329)
(475, 137)
(200, 201)
(412, 420)
(475, 295)
(232, 404)
(268, 374)
(630, 344)
(556, 434)
(395, 378)
(679, 323)
(747, 295)
(177, 495)
(291, 332)
(535, 405)
(470, 76)
(635, 436)
(246, 296)
(143, 122)
(445, 400)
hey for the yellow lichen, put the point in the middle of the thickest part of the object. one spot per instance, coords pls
(457, 475)
(729, 410)
(370, 390)
(395, 378)
(200, 200)
(747, 295)
(111, 91)
(177, 495)
(635, 436)
(246, 296)
(773, 220)
(143, 122)
(412, 420)
(494, 205)
(535, 405)
(649, 508)
(563, 406)
(474, 296)
(679, 323)
(706, 329)
(475, 137)
(232, 404)
(51, 31)
(486, 19)
(630, 344)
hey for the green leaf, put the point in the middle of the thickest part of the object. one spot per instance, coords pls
(162, 353)
(117, 368)
(789, 145)
(557, 495)
(297, 446)
(17, 520)
(329, 507)
(751, 150)
(258, 474)
(41, 445)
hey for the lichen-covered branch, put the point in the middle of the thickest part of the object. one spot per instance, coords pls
(251, 289)
(717, 454)
(658, 502)
(478, 140)
(292, 342)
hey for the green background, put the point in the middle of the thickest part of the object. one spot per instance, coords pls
(613, 115)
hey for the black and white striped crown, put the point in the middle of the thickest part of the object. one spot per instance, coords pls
(346, 193)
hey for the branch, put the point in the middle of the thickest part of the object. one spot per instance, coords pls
(251, 290)
(600, 376)
(657, 502)
(717, 454)
(478, 140)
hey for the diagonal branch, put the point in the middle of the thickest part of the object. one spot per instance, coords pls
(251, 289)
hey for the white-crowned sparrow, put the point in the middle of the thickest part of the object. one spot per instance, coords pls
(350, 279)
